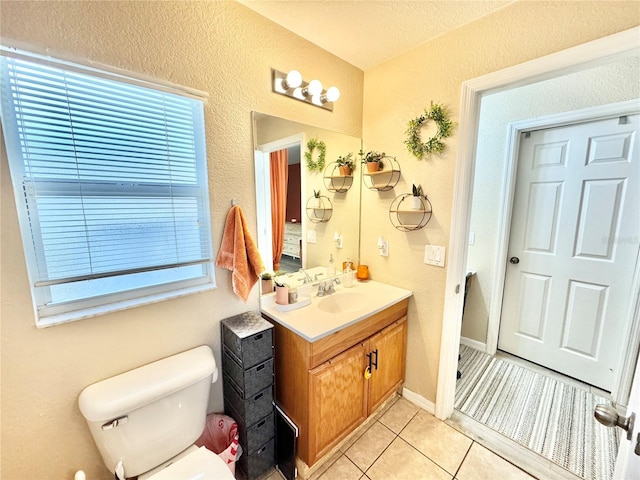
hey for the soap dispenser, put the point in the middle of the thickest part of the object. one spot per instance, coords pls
(331, 271)
(348, 275)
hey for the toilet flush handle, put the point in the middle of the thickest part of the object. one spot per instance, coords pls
(115, 422)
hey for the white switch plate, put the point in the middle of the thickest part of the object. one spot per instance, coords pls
(472, 238)
(434, 255)
(311, 236)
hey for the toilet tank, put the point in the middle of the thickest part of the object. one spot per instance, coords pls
(146, 416)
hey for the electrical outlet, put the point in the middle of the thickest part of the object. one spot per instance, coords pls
(434, 255)
(311, 236)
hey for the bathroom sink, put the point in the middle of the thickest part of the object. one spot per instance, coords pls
(341, 302)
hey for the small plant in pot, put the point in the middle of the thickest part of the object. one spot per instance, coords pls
(416, 199)
(282, 291)
(266, 282)
(373, 160)
(315, 201)
(345, 164)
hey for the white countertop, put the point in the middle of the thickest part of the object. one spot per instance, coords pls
(338, 310)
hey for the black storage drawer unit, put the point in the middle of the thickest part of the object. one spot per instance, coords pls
(253, 408)
(260, 462)
(254, 437)
(247, 367)
(248, 338)
(251, 380)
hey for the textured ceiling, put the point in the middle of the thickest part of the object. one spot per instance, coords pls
(365, 33)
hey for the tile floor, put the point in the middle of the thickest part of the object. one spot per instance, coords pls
(407, 443)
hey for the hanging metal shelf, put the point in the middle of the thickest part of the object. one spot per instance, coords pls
(407, 217)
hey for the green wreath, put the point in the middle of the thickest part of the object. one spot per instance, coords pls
(434, 145)
(317, 165)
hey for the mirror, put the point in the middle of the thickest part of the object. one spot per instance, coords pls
(309, 235)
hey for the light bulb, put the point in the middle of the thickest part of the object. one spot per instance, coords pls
(293, 80)
(333, 94)
(314, 88)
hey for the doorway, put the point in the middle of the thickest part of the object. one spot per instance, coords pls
(475, 93)
(293, 249)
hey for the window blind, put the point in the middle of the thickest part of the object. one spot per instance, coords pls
(112, 175)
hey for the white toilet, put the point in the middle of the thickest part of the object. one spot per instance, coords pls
(145, 421)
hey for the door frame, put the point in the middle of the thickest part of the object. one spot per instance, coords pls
(627, 362)
(597, 52)
(263, 192)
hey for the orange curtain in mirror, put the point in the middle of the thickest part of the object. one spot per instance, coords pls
(279, 177)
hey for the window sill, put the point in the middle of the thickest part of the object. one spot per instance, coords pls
(53, 320)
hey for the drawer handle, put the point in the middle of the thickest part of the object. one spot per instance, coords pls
(258, 337)
(260, 367)
(261, 423)
(259, 396)
(261, 451)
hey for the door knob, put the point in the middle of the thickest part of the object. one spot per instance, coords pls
(608, 417)
(514, 260)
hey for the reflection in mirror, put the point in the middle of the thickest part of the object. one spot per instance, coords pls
(287, 239)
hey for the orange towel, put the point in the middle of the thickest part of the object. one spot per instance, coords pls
(239, 254)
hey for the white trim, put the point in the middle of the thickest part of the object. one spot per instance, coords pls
(593, 53)
(475, 344)
(418, 400)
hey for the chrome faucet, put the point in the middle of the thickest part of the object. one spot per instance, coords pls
(327, 287)
(307, 277)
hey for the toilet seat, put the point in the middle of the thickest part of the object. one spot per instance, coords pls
(200, 464)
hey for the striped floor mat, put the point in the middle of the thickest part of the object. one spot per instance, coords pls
(552, 418)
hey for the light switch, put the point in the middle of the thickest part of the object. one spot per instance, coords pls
(434, 255)
(311, 236)
(472, 238)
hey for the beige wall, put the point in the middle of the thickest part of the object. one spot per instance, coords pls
(227, 50)
(398, 90)
(219, 47)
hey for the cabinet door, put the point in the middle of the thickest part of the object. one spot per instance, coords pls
(337, 400)
(390, 345)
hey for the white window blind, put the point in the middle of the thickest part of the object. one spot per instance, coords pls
(111, 185)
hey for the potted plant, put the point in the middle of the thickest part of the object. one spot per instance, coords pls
(266, 282)
(416, 199)
(282, 291)
(315, 201)
(373, 160)
(345, 164)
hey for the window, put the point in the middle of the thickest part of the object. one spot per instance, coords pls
(110, 180)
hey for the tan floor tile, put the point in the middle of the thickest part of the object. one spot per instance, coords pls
(437, 440)
(342, 469)
(397, 417)
(482, 463)
(401, 462)
(325, 465)
(370, 445)
(275, 476)
(386, 406)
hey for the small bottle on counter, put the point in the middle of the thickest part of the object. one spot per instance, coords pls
(348, 274)
(331, 271)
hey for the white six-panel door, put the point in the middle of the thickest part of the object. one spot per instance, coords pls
(573, 248)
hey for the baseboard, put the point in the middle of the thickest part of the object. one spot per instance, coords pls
(419, 401)
(474, 344)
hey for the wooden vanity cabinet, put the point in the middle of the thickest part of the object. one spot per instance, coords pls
(321, 385)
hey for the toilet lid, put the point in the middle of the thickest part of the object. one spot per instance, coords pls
(202, 464)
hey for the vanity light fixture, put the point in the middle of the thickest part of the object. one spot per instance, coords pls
(292, 85)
